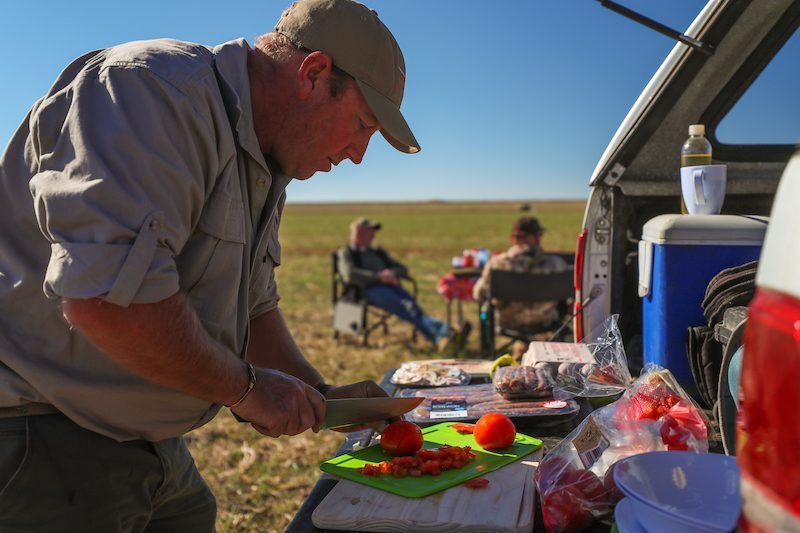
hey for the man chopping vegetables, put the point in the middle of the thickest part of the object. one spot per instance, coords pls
(141, 199)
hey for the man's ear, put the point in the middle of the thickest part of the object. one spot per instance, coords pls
(316, 67)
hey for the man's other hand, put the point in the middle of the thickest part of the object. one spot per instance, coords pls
(388, 276)
(362, 389)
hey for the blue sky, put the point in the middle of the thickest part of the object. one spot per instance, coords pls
(509, 99)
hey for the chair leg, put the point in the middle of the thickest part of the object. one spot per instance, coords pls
(365, 325)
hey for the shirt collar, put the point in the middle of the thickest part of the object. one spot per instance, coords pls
(234, 84)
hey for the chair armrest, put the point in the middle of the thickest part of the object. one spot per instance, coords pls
(362, 281)
(412, 282)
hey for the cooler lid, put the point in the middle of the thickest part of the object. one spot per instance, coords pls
(706, 229)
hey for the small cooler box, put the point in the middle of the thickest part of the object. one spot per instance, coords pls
(678, 256)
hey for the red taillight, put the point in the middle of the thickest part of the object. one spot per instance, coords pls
(769, 408)
(578, 283)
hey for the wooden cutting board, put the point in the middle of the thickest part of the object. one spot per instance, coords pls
(506, 505)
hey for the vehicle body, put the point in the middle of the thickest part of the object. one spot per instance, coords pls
(637, 177)
(768, 421)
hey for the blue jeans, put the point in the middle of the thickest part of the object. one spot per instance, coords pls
(396, 300)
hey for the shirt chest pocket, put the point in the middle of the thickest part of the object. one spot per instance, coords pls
(211, 263)
(263, 287)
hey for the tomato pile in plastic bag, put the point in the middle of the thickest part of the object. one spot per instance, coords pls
(575, 480)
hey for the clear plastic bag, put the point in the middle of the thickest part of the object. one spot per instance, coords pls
(595, 369)
(575, 480)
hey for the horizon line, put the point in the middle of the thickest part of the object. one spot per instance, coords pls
(437, 201)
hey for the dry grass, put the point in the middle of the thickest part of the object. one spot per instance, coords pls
(259, 482)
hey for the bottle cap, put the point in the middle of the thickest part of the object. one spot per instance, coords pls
(697, 129)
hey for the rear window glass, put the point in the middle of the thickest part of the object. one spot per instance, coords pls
(769, 111)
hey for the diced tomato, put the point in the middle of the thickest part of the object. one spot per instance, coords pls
(432, 461)
(477, 483)
(463, 428)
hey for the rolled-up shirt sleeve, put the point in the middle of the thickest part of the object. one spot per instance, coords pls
(124, 160)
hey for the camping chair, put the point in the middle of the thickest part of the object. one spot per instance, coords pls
(351, 312)
(509, 286)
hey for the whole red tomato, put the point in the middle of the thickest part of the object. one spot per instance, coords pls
(588, 484)
(614, 493)
(565, 511)
(550, 469)
(494, 431)
(674, 435)
(401, 438)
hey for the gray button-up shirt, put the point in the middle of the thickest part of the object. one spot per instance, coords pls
(138, 175)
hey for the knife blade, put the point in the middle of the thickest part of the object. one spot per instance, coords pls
(353, 411)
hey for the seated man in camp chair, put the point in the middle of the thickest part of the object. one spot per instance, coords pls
(525, 255)
(363, 265)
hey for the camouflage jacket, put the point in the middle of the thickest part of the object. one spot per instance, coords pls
(521, 315)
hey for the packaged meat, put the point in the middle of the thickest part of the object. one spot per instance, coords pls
(470, 402)
(476, 368)
(428, 374)
(515, 382)
(592, 370)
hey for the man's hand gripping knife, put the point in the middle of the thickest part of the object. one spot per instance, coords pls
(290, 405)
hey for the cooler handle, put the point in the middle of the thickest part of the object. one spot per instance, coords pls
(645, 267)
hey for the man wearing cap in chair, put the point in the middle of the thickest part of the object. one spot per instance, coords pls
(381, 273)
(524, 255)
(141, 199)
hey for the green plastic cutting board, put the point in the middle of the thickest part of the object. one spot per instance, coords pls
(433, 437)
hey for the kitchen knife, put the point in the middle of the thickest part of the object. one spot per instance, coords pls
(355, 411)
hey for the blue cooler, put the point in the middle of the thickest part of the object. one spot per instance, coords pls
(678, 256)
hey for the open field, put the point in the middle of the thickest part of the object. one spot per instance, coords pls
(261, 482)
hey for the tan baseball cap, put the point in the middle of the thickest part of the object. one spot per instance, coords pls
(362, 46)
(363, 222)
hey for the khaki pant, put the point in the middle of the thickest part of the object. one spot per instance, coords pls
(58, 477)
